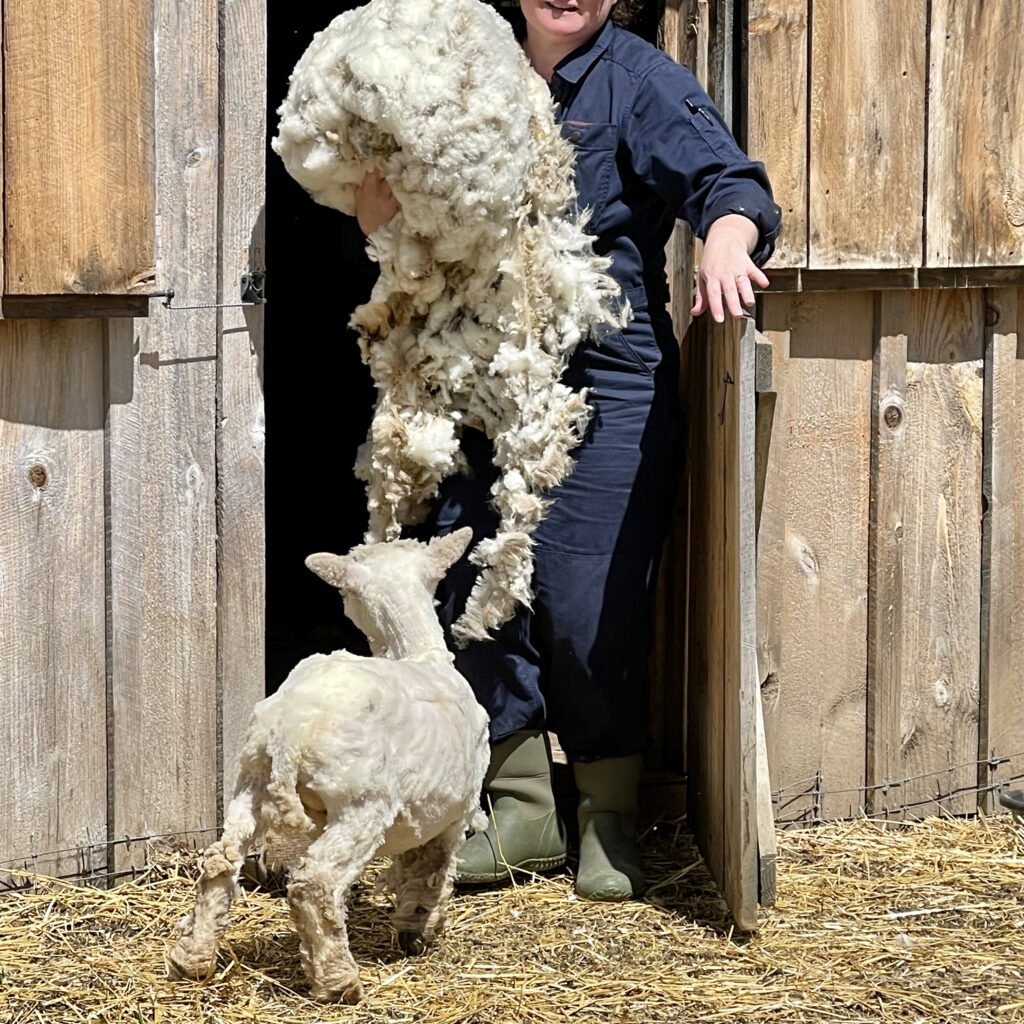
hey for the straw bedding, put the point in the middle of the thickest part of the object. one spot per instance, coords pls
(873, 923)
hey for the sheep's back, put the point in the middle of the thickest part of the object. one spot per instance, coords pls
(347, 727)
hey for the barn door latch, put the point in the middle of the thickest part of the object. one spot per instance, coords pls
(251, 293)
(253, 284)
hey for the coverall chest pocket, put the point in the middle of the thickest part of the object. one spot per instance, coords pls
(595, 146)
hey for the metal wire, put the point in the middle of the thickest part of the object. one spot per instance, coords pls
(99, 855)
(813, 791)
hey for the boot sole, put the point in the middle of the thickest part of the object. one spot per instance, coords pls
(534, 866)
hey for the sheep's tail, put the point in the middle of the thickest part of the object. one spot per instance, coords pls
(288, 826)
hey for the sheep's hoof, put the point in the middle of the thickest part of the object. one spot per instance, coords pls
(413, 943)
(350, 992)
(182, 965)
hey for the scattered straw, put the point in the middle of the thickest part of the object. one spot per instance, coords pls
(874, 923)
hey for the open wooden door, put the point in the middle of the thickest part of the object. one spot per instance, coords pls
(722, 658)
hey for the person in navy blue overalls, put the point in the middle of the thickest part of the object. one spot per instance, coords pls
(650, 147)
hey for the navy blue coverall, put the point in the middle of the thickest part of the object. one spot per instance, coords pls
(650, 147)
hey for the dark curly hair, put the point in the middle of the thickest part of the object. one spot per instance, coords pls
(626, 13)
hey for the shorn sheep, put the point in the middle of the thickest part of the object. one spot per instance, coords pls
(354, 757)
(487, 277)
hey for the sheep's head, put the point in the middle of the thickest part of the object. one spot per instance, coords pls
(390, 586)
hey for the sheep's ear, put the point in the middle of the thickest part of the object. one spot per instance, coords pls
(338, 570)
(449, 549)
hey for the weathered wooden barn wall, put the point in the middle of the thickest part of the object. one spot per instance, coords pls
(78, 148)
(131, 487)
(892, 131)
(891, 548)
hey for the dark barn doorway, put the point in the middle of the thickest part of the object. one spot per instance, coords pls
(318, 394)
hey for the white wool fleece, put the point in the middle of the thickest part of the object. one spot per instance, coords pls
(487, 277)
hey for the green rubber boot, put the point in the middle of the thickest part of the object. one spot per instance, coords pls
(609, 859)
(524, 832)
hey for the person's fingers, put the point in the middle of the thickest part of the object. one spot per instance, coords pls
(700, 301)
(714, 293)
(758, 276)
(731, 298)
(745, 290)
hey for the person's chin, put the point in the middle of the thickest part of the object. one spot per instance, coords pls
(565, 26)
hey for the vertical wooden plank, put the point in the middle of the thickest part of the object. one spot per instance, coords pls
(713, 754)
(240, 431)
(722, 682)
(942, 581)
(740, 685)
(699, 640)
(813, 550)
(887, 541)
(78, 146)
(162, 521)
(931, 702)
(867, 138)
(1001, 719)
(52, 658)
(777, 114)
(976, 134)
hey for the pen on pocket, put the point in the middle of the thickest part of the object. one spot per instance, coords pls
(698, 110)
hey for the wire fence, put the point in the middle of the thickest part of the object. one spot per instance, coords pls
(92, 861)
(801, 803)
(798, 804)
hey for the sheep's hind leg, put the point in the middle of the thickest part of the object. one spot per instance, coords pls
(317, 896)
(422, 880)
(194, 955)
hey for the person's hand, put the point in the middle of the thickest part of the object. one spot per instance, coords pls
(375, 202)
(727, 273)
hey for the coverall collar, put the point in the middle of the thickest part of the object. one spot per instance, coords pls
(575, 65)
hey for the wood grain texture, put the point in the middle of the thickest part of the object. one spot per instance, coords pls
(722, 680)
(240, 421)
(813, 550)
(942, 601)
(78, 147)
(930, 727)
(704, 638)
(839, 280)
(777, 114)
(163, 473)
(52, 656)
(887, 550)
(976, 133)
(866, 145)
(1001, 718)
(740, 684)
